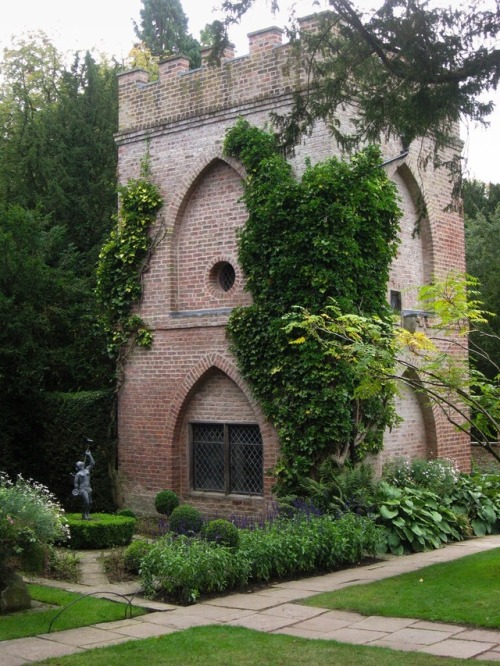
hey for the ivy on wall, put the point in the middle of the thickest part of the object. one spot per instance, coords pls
(122, 261)
(329, 237)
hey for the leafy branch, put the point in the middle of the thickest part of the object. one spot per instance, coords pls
(469, 399)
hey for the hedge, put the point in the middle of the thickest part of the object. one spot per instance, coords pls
(102, 531)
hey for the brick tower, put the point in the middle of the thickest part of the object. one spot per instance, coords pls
(187, 420)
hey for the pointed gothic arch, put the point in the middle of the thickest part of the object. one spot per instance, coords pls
(174, 441)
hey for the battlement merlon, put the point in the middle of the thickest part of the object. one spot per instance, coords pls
(181, 93)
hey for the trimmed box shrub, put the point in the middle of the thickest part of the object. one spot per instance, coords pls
(104, 530)
(185, 519)
(166, 501)
(126, 512)
(222, 533)
(135, 553)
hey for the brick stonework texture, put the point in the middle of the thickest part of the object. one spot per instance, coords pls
(189, 374)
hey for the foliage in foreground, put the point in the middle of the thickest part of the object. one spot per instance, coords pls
(473, 498)
(184, 568)
(415, 519)
(421, 504)
(464, 591)
(30, 520)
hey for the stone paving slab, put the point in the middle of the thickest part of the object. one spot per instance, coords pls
(293, 611)
(261, 622)
(354, 636)
(419, 636)
(395, 645)
(180, 621)
(456, 648)
(491, 656)
(322, 624)
(80, 637)
(438, 626)
(281, 595)
(386, 624)
(108, 643)
(12, 660)
(207, 611)
(254, 601)
(485, 635)
(35, 649)
(299, 632)
(145, 630)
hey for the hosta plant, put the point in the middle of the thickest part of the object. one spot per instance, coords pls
(415, 519)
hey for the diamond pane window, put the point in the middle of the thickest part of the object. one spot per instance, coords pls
(227, 276)
(227, 458)
(208, 457)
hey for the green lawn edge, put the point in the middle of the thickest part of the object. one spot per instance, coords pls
(231, 646)
(86, 610)
(464, 591)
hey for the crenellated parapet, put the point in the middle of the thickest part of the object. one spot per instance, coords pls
(180, 93)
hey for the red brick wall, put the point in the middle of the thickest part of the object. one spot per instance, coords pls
(181, 121)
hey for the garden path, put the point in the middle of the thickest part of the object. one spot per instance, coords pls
(273, 610)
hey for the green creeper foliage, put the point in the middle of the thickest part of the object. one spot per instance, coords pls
(121, 262)
(331, 235)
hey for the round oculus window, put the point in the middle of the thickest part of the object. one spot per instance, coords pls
(222, 276)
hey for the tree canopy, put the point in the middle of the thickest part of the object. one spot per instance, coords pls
(57, 201)
(412, 68)
(164, 30)
(482, 249)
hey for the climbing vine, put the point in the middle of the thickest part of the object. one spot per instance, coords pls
(122, 261)
(328, 238)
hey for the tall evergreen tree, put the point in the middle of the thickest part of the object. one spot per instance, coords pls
(57, 200)
(482, 248)
(164, 30)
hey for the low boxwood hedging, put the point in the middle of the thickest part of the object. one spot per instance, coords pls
(184, 568)
(103, 530)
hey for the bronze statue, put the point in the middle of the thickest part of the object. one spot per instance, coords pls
(81, 485)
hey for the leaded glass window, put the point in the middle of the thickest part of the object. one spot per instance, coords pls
(227, 458)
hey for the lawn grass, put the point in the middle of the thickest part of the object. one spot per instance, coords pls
(466, 591)
(237, 646)
(83, 613)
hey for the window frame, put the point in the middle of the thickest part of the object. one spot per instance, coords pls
(227, 425)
